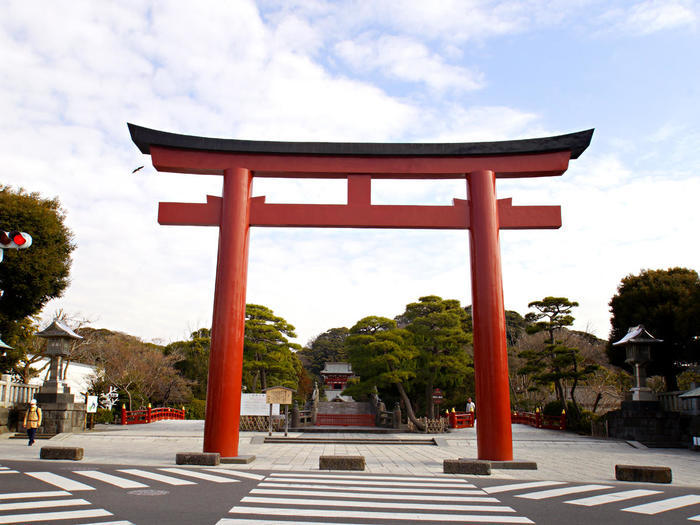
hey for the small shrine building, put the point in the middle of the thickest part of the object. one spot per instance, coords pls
(335, 378)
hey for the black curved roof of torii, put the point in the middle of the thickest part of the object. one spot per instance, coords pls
(576, 143)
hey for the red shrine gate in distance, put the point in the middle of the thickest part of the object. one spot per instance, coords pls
(479, 163)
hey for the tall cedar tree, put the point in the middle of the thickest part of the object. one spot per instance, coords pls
(441, 336)
(383, 356)
(31, 277)
(667, 303)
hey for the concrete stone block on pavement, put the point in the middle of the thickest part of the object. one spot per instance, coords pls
(341, 462)
(467, 466)
(198, 458)
(72, 453)
(644, 474)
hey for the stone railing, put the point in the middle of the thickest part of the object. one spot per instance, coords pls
(12, 394)
(670, 401)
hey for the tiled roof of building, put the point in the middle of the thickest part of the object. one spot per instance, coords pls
(337, 368)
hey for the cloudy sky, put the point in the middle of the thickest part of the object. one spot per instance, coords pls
(73, 73)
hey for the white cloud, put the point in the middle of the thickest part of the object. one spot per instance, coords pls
(75, 72)
(651, 16)
(406, 59)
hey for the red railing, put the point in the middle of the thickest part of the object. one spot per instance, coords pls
(149, 415)
(345, 420)
(461, 419)
(539, 420)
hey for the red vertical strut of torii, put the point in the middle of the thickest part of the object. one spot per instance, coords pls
(479, 163)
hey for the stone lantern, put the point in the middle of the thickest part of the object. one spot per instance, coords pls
(637, 345)
(60, 412)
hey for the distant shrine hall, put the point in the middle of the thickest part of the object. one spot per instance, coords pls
(335, 378)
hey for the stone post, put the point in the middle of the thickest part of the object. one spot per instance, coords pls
(396, 420)
(295, 416)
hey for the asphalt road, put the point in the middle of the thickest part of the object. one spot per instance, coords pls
(46, 492)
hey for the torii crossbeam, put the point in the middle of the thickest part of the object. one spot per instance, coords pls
(479, 163)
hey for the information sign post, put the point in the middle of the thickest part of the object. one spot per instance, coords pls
(279, 395)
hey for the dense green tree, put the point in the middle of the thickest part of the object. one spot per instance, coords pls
(556, 361)
(439, 329)
(30, 278)
(269, 358)
(667, 303)
(194, 360)
(383, 356)
(327, 347)
(27, 350)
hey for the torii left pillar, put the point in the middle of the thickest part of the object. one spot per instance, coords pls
(228, 324)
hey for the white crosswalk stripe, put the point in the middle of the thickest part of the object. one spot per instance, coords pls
(229, 472)
(665, 505)
(510, 487)
(170, 480)
(386, 494)
(199, 475)
(42, 504)
(381, 488)
(360, 477)
(40, 494)
(122, 483)
(53, 516)
(7, 470)
(246, 521)
(60, 481)
(613, 497)
(350, 498)
(20, 502)
(694, 518)
(121, 522)
(373, 482)
(368, 515)
(377, 504)
(553, 493)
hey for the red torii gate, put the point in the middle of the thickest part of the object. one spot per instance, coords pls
(480, 163)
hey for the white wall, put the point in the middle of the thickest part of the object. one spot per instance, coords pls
(78, 377)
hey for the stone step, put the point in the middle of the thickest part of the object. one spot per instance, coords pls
(326, 429)
(351, 441)
(23, 435)
(349, 407)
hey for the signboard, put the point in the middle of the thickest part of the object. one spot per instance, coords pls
(279, 396)
(437, 396)
(91, 404)
(256, 405)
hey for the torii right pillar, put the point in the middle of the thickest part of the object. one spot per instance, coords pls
(493, 428)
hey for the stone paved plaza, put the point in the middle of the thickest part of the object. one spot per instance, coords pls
(559, 455)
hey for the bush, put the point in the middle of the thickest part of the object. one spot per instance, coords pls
(104, 416)
(196, 409)
(553, 408)
(581, 424)
(687, 378)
